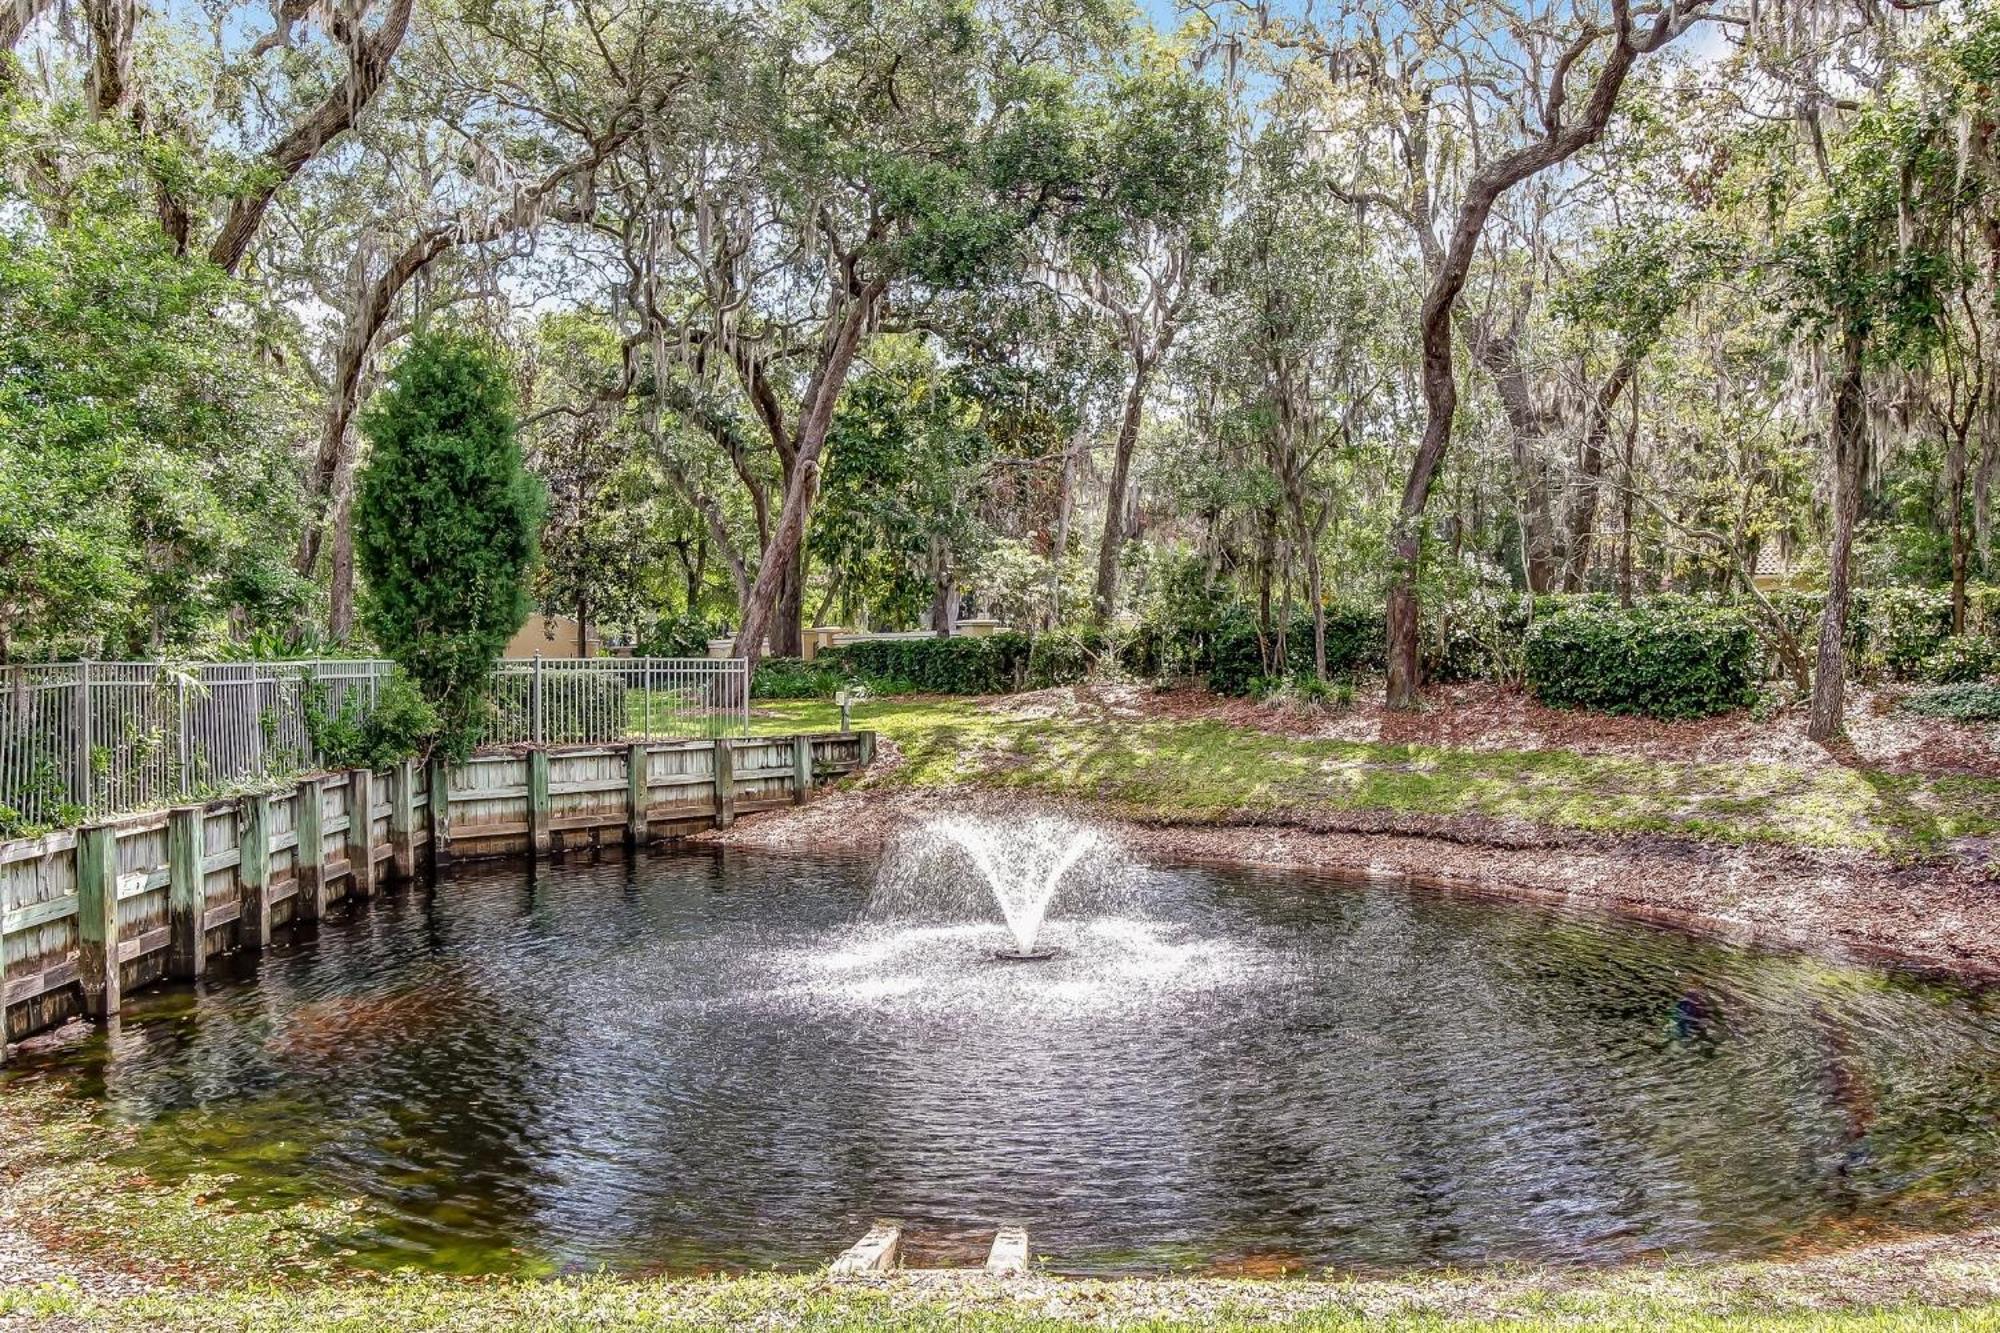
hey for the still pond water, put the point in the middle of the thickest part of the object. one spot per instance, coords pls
(725, 1060)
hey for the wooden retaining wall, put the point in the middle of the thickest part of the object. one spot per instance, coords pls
(88, 913)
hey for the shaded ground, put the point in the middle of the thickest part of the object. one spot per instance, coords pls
(1484, 717)
(1717, 826)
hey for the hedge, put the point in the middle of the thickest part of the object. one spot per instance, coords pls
(1235, 665)
(796, 678)
(991, 665)
(1683, 657)
(1667, 659)
(1968, 702)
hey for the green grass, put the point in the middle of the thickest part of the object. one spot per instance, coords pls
(1204, 770)
(606, 1305)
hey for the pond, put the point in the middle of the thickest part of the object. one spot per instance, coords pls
(700, 1060)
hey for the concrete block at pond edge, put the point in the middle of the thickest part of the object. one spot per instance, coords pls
(875, 1252)
(1009, 1255)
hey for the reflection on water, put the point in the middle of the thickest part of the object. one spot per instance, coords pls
(709, 1059)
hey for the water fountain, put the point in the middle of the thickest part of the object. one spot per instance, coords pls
(1021, 865)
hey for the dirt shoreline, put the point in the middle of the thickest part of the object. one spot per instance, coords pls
(1940, 919)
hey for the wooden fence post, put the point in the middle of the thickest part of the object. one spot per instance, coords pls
(638, 795)
(725, 783)
(308, 857)
(97, 919)
(538, 802)
(360, 833)
(802, 768)
(253, 872)
(867, 747)
(403, 820)
(437, 806)
(187, 895)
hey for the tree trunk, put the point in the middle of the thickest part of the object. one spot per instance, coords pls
(1955, 468)
(1065, 507)
(377, 299)
(368, 56)
(340, 581)
(814, 420)
(1849, 457)
(1583, 512)
(787, 632)
(944, 600)
(1319, 613)
(1561, 142)
(1267, 564)
(583, 626)
(16, 17)
(1113, 545)
(1527, 422)
(1625, 510)
(110, 85)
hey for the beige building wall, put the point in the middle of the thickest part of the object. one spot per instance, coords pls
(552, 636)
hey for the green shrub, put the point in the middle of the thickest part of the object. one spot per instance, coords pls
(682, 636)
(1065, 657)
(1235, 658)
(1898, 630)
(400, 724)
(1972, 702)
(1960, 659)
(796, 678)
(445, 525)
(931, 665)
(1668, 659)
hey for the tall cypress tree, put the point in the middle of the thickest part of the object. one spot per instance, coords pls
(445, 524)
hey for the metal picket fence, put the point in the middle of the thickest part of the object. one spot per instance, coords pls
(84, 739)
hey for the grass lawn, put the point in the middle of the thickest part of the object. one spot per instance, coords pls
(1204, 769)
(607, 1305)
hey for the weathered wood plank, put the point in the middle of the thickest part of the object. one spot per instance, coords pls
(39, 914)
(437, 815)
(538, 801)
(97, 919)
(253, 873)
(725, 782)
(33, 849)
(187, 955)
(360, 833)
(145, 942)
(309, 861)
(140, 882)
(636, 801)
(403, 820)
(588, 786)
(51, 978)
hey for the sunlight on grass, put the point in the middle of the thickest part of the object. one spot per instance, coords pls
(1203, 769)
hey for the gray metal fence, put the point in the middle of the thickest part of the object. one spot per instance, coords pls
(96, 738)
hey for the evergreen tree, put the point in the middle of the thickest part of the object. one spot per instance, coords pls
(445, 525)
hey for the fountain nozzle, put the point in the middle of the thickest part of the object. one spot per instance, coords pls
(1041, 955)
